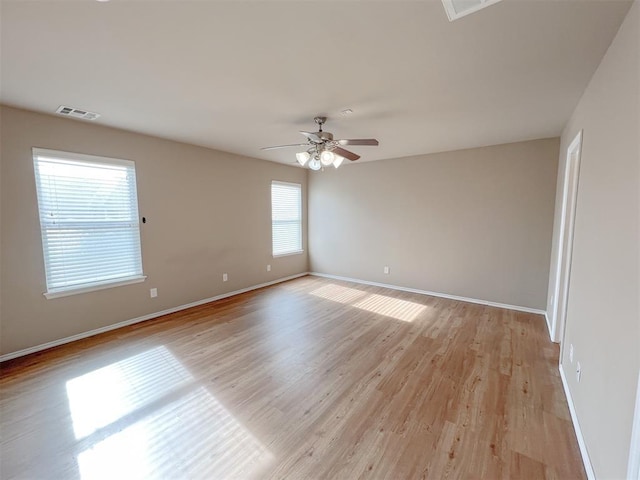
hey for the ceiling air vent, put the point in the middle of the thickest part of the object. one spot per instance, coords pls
(76, 113)
(459, 8)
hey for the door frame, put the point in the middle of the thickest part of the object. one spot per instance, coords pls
(633, 471)
(565, 246)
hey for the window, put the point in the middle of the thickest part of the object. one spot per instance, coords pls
(89, 221)
(286, 218)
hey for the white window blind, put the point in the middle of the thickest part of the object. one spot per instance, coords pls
(89, 220)
(286, 218)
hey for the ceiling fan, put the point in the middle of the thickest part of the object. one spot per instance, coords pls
(323, 150)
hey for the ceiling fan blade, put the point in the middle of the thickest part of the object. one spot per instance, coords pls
(345, 153)
(359, 141)
(312, 136)
(286, 146)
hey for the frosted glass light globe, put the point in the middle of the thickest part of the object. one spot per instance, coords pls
(326, 158)
(315, 164)
(302, 157)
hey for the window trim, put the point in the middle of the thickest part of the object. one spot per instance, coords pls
(94, 287)
(293, 252)
(90, 286)
(288, 254)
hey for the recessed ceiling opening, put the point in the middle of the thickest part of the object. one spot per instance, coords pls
(459, 8)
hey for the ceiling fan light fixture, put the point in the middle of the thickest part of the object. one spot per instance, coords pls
(315, 164)
(327, 158)
(303, 157)
(322, 150)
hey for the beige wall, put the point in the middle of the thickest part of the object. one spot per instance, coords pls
(603, 317)
(475, 223)
(208, 212)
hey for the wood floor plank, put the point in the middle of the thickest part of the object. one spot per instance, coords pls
(311, 378)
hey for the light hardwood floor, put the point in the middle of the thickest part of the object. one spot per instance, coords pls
(312, 378)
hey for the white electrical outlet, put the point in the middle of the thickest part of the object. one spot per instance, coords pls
(153, 293)
(571, 353)
(225, 277)
(578, 372)
(268, 268)
(386, 270)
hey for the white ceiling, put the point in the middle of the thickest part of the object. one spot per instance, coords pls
(240, 75)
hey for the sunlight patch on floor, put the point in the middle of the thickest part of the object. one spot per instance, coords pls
(403, 310)
(107, 394)
(391, 307)
(338, 293)
(146, 417)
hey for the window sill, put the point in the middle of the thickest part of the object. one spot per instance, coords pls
(93, 288)
(288, 254)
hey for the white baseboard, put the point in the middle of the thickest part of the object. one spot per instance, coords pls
(433, 294)
(576, 426)
(143, 318)
(90, 333)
